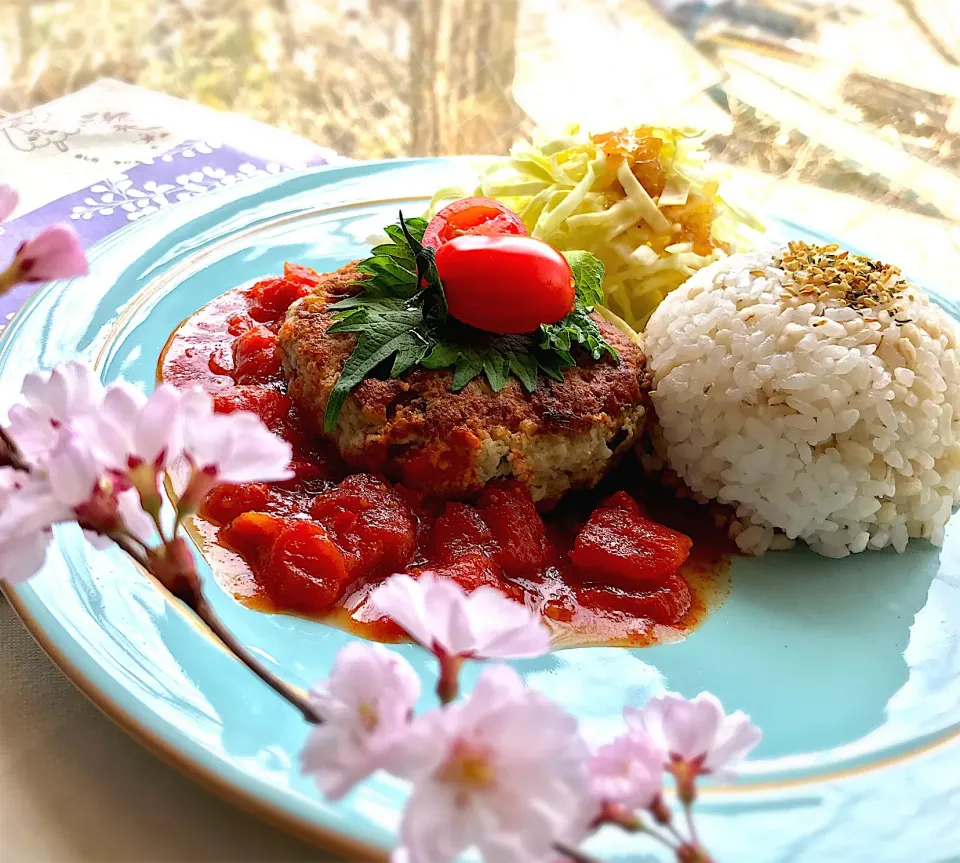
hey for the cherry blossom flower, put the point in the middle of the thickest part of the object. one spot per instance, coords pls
(54, 253)
(503, 770)
(141, 430)
(73, 470)
(441, 616)
(172, 564)
(696, 735)
(139, 436)
(8, 201)
(136, 522)
(71, 487)
(229, 448)
(23, 542)
(70, 395)
(366, 707)
(627, 771)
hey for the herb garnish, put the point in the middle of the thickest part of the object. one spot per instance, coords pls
(401, 316)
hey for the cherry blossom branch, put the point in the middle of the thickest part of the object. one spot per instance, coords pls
(574, 854)
(179, 576)
(658, 837)
(126, 544)
(676, 834)
(14, 457)
(199, 605)
(691, 827)
(96, 457)
(8, 278)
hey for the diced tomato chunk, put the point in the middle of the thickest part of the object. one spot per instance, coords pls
(252, 341)
(471, 571)
(621, 500)
(220, 360)
(226, 502)
(370, 521)
(664, 603)
(307, 475)
(301, 275)
(425, 511)
(276, 295)
(271, 406)
(252, 534)
(622, 548)
(255, 356)
(517, 527)
(306, 570)
(237, 325)
(460, 530)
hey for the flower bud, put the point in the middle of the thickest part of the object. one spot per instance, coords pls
(201, 484)
(174, 568)
(145, 480)
(100, 512)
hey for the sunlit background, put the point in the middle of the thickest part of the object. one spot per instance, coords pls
(860, 96)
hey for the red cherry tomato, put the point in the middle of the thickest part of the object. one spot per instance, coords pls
(472, 216)
(505, 284)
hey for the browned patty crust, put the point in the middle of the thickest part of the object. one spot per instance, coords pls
(414, 429)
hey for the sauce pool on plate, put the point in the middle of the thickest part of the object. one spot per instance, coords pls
(601, 567)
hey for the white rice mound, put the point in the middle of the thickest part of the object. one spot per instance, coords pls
(811, 418)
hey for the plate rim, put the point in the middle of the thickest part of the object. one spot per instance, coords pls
(245, 797)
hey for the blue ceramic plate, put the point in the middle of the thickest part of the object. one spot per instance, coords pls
(851, 667)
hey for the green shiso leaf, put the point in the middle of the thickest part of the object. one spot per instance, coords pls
(401, 320)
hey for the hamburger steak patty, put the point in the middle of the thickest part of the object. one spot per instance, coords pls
(413, 429)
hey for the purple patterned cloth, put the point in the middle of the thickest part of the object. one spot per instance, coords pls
(190, 169)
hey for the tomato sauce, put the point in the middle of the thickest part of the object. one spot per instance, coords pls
(623, 564)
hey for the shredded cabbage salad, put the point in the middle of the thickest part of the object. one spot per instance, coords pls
(644, 201)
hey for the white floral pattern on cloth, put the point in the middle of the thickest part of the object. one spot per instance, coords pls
(187, 170)
(118, 194)
(186, 150)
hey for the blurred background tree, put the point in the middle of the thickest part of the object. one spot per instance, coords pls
(372, 79)
(830, 92)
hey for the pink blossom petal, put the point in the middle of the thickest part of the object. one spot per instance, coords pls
(28, 506)
(508, 629)
(404, 601)
(434, 828)
(627, 771)
(195, 403)
(136, 521)
(445, 605)
(69, 396)
(693, 724)
(497, 688)
(737, 737)
(441, 616)
(97, 540)
(55, 253)
(510, 778)
(8, 201)
(236, 447)
(23, 556)
(73, 471)
(365, 705)
(695, 730)
(159, 431)
(122, 404)
(33, 432)
(27, 509)
(423, 745)
(136, 429)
